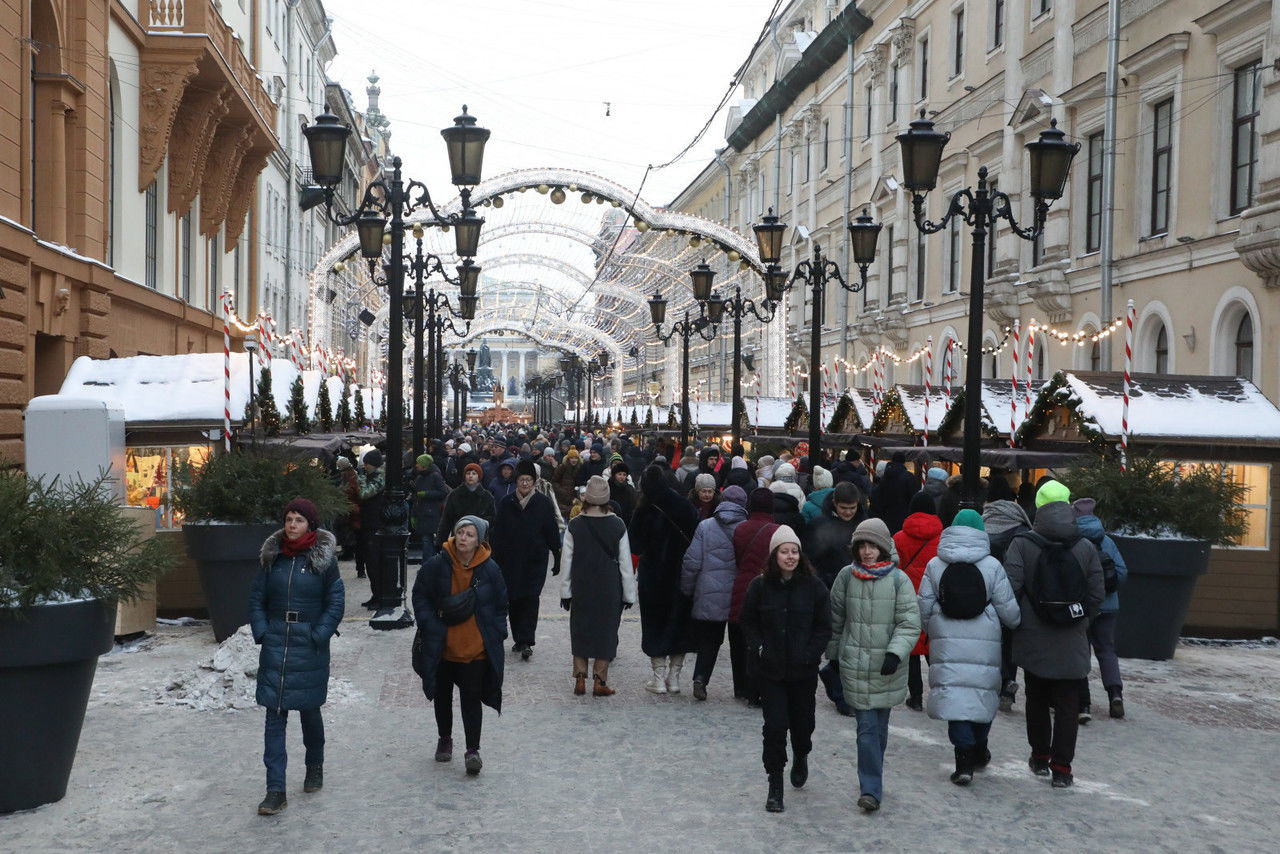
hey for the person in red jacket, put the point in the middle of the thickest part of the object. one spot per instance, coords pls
(917, 544)
(751, 551)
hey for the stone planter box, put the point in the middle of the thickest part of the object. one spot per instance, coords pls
(1155, 599)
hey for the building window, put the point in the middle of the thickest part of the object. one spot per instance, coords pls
(791, 175)
(993, 237)
(1161, 165)
(1040, 360)
(826, 143)
(888, 268)
(151, 203)
(993, 369)
(957, 47)
(1095, 357)
(184, 234)
(1244, 136)
(235, 270)
(866, 132)
(924, 68)
(1093, 195)
(113, 142)
(808, 158)
(1162, 351)
(893, 93)
(920, 265)
(953, 255)
(215, 271)
(997, 23)
(1244, 347)
(1256, 503)
(1043, 7)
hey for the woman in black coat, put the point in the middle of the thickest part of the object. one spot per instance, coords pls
(661, 529)
(294, 610)
(786, 623)
(468, 652)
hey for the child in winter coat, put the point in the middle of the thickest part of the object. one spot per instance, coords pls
(917, 544)
(875, 622)
(964, 663)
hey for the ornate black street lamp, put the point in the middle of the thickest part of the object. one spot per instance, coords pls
(1050, 161)
(817, 272)
(701, 325)
(383, 208)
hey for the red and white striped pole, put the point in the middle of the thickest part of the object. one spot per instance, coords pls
(226, 369)
(1013, 398)
(757, 384)
(1031, 350)
(826, 380)
(946, 375)
(928, 384)
(1128, 365)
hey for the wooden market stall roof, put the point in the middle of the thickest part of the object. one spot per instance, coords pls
(1163, 409)
(999, 407)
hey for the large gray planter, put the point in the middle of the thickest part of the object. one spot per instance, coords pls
(48, 655)
(226, 557)
(1155, 598)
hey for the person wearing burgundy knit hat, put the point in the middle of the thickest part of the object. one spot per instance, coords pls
(294, 609)
(469, 499)
(751, 552)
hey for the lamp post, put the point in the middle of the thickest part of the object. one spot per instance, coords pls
(251, 347)
(1050, 161)
(702, 326)
(384, 205)
(571, 367)
(595, 367)
(816, 271)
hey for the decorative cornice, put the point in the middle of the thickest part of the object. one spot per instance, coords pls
(230, 144)
(877, 57)
(241, 194)
(163, 83)
(192, 136)
(902, 36)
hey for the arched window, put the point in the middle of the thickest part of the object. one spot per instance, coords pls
(1040, 363)
(1244, 347)
(1095, 356)
(993, 368)
(1162, 351)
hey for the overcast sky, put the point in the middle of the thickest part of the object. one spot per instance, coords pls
(538, 74)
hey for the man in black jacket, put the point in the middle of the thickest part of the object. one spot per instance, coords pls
(891, 497)
(524, 533)
(826, 545)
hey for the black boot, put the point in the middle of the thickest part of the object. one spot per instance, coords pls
(274, 802)
(314, 780)
(774, 802)
(963, 775)
(800, 771)
(981, 756)
(1116, 703)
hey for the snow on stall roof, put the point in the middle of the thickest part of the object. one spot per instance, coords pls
(998, 399)
(864, 404)
(189, 387)
(1160, 406)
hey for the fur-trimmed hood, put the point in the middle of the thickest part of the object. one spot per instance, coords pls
(325, 550)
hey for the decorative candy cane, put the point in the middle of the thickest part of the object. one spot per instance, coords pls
(757, 384)
(1013, 398)
(1128, 364)
(946, 375)
(928, 384)
(226, 369)
(264, 336)
(1031, 348)
(822, 406)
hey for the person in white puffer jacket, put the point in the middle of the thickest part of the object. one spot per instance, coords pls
(964, 655)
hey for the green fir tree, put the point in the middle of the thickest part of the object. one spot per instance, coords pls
(635, 417)
(344, 407)
(268, 412)
(298, 407)
(360, 420)
(324, 408)
(648, 417)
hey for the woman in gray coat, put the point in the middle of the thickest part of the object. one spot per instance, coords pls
(964, 655)
(707, 574)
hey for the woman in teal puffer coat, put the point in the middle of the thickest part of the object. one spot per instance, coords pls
(875, 622)
(294, 610)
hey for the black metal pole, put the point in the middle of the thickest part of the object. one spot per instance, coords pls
(438, 380)
(817, 278)
(394, 531)
(735, 413)
(419, 376)
(973, 365)
(684, 383)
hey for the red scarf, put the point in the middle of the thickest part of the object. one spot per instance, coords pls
(293, 548)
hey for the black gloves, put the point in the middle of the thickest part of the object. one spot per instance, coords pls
(890, 665)
(565, 603)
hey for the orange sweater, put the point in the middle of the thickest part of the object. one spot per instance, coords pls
(463, 642)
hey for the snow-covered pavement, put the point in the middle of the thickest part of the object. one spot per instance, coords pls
(170, 758)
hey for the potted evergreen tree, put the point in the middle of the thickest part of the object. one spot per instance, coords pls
(298, 407)
(68, 555)
(1164, 518)
(344, 407)
(324, 408)
(268, 412)
(231, 505)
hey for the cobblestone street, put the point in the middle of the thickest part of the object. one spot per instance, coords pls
(1191, 768)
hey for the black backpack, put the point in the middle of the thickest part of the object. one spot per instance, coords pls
(1110, 578)
(1056, 586)
(962, 591)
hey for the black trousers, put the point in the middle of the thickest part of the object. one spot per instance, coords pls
(1008, 670)
(915, 679)
(788, 707)
(523, 612)
(1054, 740)
(743, 684)
(469, 678)
(709, 637)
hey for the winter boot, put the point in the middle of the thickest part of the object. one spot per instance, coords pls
(1007, 695)
(800, 771)
(673, 678)
(963, 775)
(657, 684)
(774, 802)
(1085, 716)
(981, 756)
(276, 801)
(472, 762)
(1117, 703)
(1062, 777)
(699, 690)
(915, 703)
(1039, 765)
(314, 780)
(601, 689)
(579, 683)
(444, 750)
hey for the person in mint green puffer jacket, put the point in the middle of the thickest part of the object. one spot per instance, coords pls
(875, 622)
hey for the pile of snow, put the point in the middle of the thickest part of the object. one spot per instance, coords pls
(228, 681)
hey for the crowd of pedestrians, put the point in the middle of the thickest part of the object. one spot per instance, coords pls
(879, 571)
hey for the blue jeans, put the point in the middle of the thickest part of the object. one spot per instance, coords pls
(873, 738)
(273, 754)
(968, 733)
